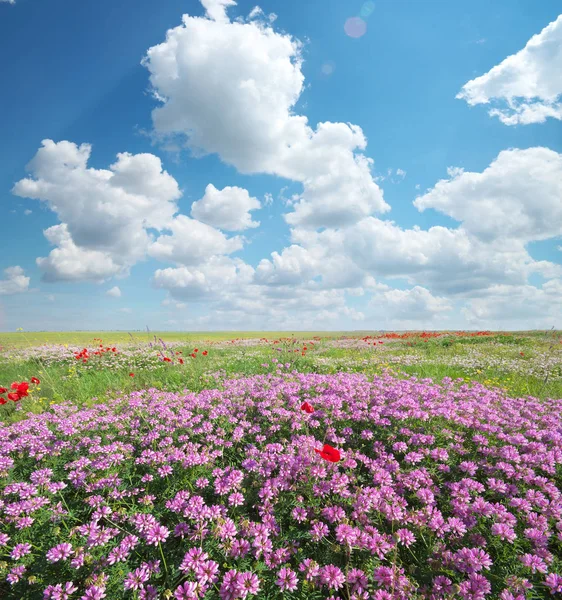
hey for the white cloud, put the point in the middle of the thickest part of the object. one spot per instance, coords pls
(216, 9)
(403, 309)
(318, 261)
(230, 88)
(125, 310)
(68, 262)
(212, 279)
(528, 82)
(192, 242)
(537, 307)
(114, 292)
(27, 212)
(518, 196)
(449, 261)
(15, 281)
(104, 212)
(401, 173)
(227, 209)
(9, 1)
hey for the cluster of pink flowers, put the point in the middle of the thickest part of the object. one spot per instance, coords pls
(297, 485)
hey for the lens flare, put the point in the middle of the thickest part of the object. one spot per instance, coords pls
(367, 9)
(328, 68)
(355, 27)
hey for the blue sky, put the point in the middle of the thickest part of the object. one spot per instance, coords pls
(72, 73)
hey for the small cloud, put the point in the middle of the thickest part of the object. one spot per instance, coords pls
(418, 186)
(15, 281)
(480, 41)
(401, 173)
(127, 311)
(27, 211)
(50, 297)
(114, 292)
(454, 172)
(267, 199)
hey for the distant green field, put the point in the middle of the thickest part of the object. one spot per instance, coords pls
(19, 339)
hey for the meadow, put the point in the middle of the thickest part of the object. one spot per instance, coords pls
(384, 465)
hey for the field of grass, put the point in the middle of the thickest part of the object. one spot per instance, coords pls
(185, 466)
(22, 339)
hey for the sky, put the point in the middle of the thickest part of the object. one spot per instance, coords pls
(320, 165)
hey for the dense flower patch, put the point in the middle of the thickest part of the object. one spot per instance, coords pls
(292, 486)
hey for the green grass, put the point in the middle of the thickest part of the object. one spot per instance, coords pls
(94, 382)
(21, 339)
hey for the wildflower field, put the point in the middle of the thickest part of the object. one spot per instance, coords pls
(423, 465)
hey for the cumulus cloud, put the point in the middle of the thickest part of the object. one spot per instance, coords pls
(230, 88)
(9, 1)
(527, 84)
(15, 281)
(212, 279)
(103, 212)
(227, 209)
(518, 196)
(537, 307)
(114, 292)
(449, 261)
(416, 307)
(216, 9)
(68, 262)
(192, 242)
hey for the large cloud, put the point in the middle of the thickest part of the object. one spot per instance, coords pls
(15, 281)
(510, 306)
(192, 242)
(414, 307)
(231, 87)
(212, 279)
(103, 211)
(518, 196)
(528, 82)
(227, 209)
(68, 262)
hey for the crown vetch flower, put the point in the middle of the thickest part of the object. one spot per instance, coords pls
(328, 453)
(307, 407)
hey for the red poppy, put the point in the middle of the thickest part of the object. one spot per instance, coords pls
(35, 380)
(180, 361)
(193, 355)
(3, 401)
(166, 359)
(521, 353)
(307, 407)
(131, 374)
(196, 350)
(328, 453)
(13, 396)
(205, 353)
(20, 389)
(3, 390)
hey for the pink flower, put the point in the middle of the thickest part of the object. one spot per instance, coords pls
(287, 579)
